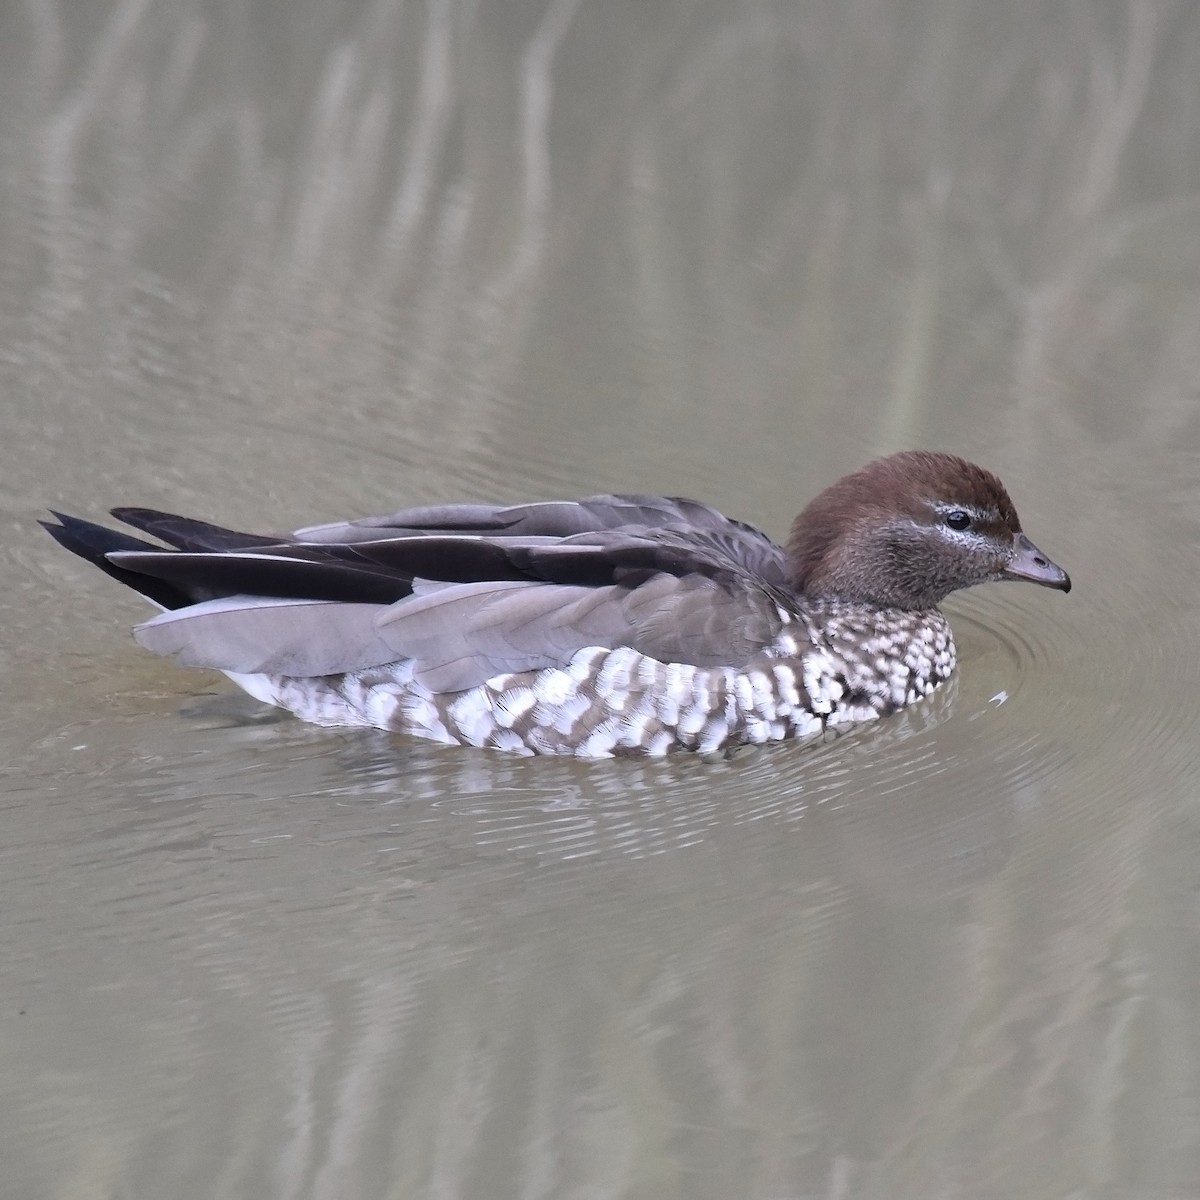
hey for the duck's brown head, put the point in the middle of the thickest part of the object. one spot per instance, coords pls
(907, 530)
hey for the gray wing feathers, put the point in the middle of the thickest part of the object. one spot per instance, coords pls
(460, 634)
(547, 518)
(253, 634)
(463, 635)
(700, 525)
(706, 622)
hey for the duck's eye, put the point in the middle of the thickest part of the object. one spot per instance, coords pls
(957, 519)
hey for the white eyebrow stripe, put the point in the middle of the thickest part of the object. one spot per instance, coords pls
(980, 514)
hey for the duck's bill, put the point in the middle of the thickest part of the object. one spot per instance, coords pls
(1030, 564)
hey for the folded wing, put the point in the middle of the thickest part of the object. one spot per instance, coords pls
(465, 591)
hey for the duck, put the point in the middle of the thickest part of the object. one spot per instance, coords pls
(603, 626)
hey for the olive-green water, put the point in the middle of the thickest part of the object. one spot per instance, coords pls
(273, 262)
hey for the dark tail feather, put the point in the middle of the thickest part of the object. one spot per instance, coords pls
(94, 542)
(186, 533)
(176, 578)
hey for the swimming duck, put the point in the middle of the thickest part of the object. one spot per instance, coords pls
(607, 625)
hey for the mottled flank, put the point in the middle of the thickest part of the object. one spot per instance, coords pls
(824, 669)
(594, 627)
